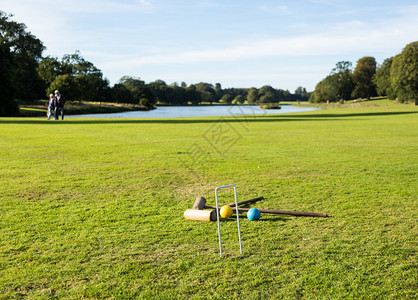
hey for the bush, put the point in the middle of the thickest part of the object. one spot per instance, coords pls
(271, 106)
(146, 103)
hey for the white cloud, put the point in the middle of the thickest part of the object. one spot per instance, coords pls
(150, 43)
(56, 23)
(62, 7)
(353, 37)
(106, 6)
(336, 3)
(349, 40)
(278, 9)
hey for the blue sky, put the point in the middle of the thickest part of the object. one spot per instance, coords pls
(239, 44)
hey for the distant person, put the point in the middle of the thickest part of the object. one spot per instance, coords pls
(51, 106)
(59, 102)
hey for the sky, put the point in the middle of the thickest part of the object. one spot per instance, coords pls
(237, 43)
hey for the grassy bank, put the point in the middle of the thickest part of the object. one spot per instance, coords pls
(39, 108)
(357, 103)
(94, 208)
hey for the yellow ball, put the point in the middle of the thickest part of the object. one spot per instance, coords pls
(226, 211)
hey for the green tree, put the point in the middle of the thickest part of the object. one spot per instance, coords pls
(76, 65)
(180, 95)
(342, 79)
(239, 99)
(301, 94)
(382, 79)
(206, 91)
(404, 73)
(326, 90)
(252, 96)
(121, 94)
(67, 86)
(300, 90)
(141, 92)
(227, 98)
(89, 79)
(342, 66)
(49, 68)
(285, 95)
(218, 90)
(363, 77)
(344, 85)
(26, 51)
(192, 95)
(160, 91)
(267, 94)
(8, 106)
(335, 87)
(92, 87)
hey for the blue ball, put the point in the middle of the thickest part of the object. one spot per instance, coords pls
(253, 214)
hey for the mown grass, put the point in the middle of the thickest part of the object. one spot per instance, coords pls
(94, 208)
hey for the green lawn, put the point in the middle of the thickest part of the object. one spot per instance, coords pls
(94, 208)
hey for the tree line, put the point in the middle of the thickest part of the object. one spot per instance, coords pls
(28, 76)
(396, 78)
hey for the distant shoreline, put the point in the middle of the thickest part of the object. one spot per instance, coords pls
(39, 108)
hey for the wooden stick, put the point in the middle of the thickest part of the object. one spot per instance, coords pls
(280, 212)
(240, 203)
(246, 201)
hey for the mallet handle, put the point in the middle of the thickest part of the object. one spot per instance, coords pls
(282, 212)
(287, 212)
(246, 201)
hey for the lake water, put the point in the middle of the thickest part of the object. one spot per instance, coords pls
(198, 111)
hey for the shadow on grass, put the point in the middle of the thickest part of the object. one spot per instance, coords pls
(231, 119)
(366, 114)
(262, 219)
(151, 121)
(272, 219)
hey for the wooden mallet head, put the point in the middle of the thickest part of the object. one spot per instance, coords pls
(198, 214)
(199, 203)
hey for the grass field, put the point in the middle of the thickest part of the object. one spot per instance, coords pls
(94, 208)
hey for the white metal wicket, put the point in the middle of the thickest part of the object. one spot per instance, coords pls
(217, 212)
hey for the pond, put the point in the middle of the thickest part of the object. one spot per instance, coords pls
(198, 111)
